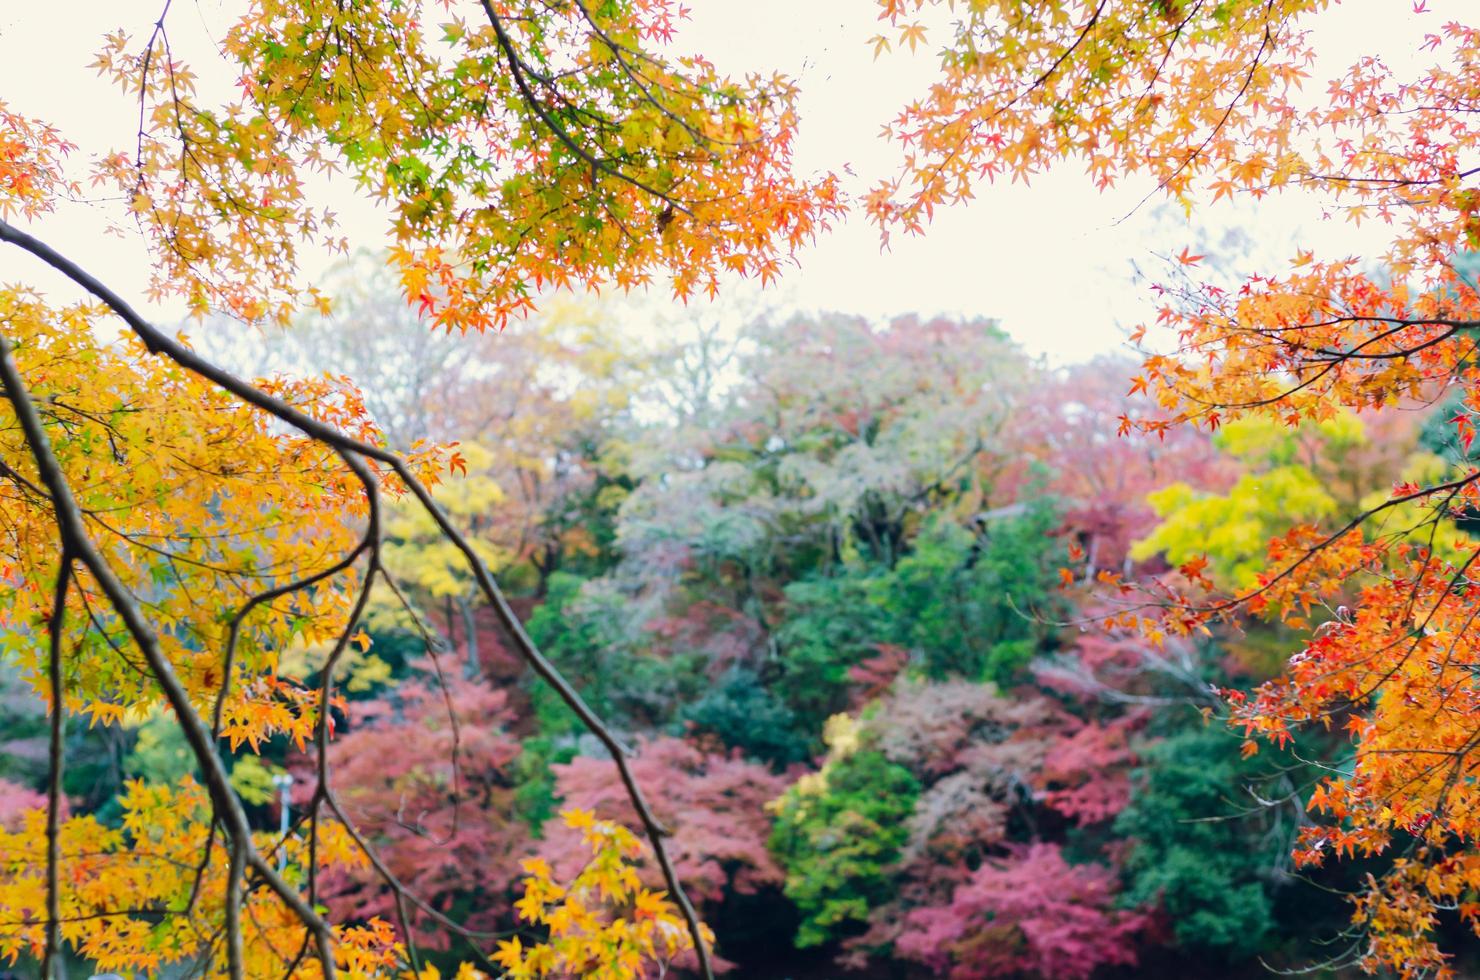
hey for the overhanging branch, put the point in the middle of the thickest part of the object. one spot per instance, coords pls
(162, 344)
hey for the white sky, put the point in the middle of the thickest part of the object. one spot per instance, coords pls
(1052, 260)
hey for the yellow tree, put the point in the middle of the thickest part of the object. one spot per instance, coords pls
(1215, 100)
(169, 527)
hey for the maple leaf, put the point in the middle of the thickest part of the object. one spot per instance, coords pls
(913, 34)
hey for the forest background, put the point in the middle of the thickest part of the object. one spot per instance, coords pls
(817, 570)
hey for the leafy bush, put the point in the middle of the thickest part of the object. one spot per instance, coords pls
(837, 834)
(1192, 855)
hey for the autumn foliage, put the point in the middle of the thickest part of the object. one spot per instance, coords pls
(1212, 102)
(877, 645)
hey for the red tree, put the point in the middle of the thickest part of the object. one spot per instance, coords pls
(1032, 914)
(425, 774)
(714, 805)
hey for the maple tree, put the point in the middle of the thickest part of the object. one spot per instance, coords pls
(981, 767)
(1036, 914)
(713, 803)
(1072, 415)
(429, 781)
(601, 922)
(1304, 475)
(1208, 101)
(171, 528)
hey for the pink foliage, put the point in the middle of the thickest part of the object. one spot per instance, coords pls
(980, 757)
(939, 728)
(1072, 423)
(15, 800)
(1033, 914)
(437, 803)
(1087, 775)
(724, 636)
(713, 803)
(872, 677)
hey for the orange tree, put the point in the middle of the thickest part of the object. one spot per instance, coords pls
(167, 529)
(1214, 100)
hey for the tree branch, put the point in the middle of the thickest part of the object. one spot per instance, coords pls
(78, 543)
(57, 758)
(160, 343)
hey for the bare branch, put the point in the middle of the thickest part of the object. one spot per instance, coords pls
(57, 758)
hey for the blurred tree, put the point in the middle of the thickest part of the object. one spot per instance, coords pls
(426, 774)
(1033, 914)
(837, 833)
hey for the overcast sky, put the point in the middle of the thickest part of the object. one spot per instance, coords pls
(1053, 260)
